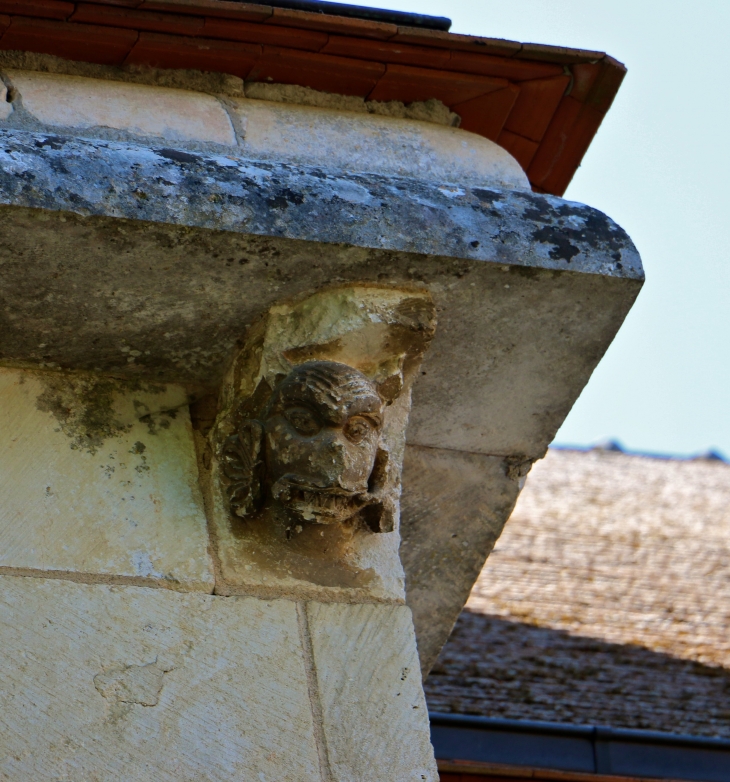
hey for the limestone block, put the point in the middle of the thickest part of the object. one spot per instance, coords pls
(453, 508)
(374, 716)
(134, 684)
(99, 477)
(82, 103)
(356, 142)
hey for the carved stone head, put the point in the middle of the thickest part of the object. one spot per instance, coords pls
(303, 463)
(315, 452)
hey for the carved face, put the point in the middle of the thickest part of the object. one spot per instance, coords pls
(321, 434)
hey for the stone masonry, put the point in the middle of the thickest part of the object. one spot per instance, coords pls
(274, 364)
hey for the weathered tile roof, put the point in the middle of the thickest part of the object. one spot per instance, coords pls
(606, 601)
(542, 103)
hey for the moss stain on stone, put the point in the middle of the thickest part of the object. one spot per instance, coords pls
(83, 407)
(156, 422)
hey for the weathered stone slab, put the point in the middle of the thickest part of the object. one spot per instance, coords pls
(81, 103)
(99, 477)
(202, 246)
(269, 198)
(453, 508)
(341, 134)
(129, 683)
(374, 713)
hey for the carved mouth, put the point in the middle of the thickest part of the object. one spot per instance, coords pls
(324, 505)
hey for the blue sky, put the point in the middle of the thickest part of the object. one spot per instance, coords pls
(659, 166)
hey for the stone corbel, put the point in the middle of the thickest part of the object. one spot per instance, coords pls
(307, 450)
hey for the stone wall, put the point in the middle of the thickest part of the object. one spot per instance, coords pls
(172, 608)
(120, 661)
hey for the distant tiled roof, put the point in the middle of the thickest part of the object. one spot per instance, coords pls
(542, 103)
(606, 601)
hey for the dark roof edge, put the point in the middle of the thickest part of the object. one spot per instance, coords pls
(613, 446)
(579, 731)
(402, 18)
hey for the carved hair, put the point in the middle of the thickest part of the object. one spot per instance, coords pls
(323, 384)
(242, 465)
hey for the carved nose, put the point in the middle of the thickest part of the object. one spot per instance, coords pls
(336, 452)
(334, 463)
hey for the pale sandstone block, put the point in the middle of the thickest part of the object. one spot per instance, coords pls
(80, 102)
(99, 477)
(375, 721)
(127, 683)
(351, 141)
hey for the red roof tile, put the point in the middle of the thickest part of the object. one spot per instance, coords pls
(44, 9)
(521, 148)
(151, 21)
(172, 51)
(535, 106)
(455, 42)
(542, 103)
(559, 54)
(273, 35)
(408, 84)
(318, 71)
(229, 9)
(333, 24)
(503, 67)
(567, 138)
(388, 52)
(487, 114)
(91, 43)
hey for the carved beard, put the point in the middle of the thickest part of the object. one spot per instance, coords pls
(242, 464)
(302, 480)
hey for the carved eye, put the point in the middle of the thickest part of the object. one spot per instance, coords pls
(358, 428)
(303, 420)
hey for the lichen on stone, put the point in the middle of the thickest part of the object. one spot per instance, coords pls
(84, 408)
